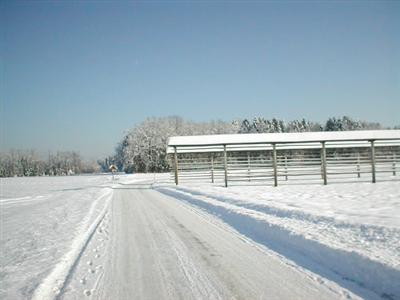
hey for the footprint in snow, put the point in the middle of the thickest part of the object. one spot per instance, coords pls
(320, 280)
(83, 280)
(99, 267)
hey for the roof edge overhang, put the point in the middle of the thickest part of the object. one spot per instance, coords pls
(288, 141)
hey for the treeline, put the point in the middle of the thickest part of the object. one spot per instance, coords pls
(261, 125)
(143, 148)
(29, 163)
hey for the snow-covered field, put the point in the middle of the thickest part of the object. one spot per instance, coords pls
(45, 225)
(53, 229)
(42, 218)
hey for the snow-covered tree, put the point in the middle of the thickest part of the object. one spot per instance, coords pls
(143, 148)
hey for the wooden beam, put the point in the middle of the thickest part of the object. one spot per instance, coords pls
(274, 165)
(176, 165)
(286, 169)
(226, 166)
(248, 165)
(212, 168)
(323, 163)
(373, 169)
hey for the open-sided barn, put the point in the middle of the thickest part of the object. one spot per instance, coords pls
(283, 156)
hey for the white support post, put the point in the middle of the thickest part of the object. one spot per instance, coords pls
(358, 164)
(176, 165)
(373, 169)
(274, 165)
(225, 166)
(323, 162)
(394, 163)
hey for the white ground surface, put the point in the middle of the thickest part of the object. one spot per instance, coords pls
(87, 237)
(40, 220)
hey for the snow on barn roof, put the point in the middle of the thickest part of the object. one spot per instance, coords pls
(292, 140)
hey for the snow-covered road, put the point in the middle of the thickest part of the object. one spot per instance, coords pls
(160, 248)
(142, 237)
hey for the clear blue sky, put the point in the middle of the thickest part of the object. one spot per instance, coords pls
(76, 75)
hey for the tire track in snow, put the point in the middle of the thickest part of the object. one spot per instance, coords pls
(22, 200)
(52, 286)
(358, 273)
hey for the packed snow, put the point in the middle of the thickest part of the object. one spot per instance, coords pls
(350, 229)
(45, 224)
(42, 220)
(60, 236)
